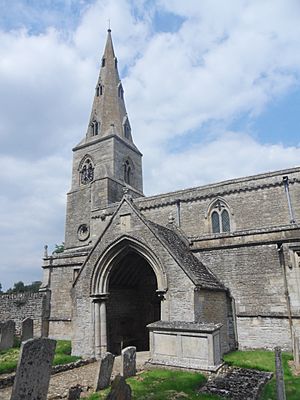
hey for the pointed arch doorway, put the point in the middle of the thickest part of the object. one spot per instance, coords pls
(132, 304)
(127, 287)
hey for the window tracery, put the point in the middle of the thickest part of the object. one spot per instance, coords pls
(87, 172)
(220, 218)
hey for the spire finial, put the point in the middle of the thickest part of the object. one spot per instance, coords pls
(108, 30)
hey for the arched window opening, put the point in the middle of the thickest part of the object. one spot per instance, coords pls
(220, 219)
(120, 91)
(103, 62)
(127, 131)
(95, 127)
(225, 221)
(99, 90)
(215, 222)
(116, 62)
(127, 172)
(86, 172)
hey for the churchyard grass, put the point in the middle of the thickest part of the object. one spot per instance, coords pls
(9, 358)
(265, 361)
(163, 385)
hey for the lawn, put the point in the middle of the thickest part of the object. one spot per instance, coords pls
(9, 358)
(265, 361)
(170, 385)
(162, 384)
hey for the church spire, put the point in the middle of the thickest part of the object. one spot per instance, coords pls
(109, 116)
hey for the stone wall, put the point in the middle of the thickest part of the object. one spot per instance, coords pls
(26, 305)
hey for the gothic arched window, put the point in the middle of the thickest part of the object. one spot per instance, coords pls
(127, 172)
(120, 91)
(86, 171)
(127, 130)
(95, 127)
(99, 90)
(220, 219)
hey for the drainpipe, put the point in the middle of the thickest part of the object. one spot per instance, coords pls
(234, 321)
(285, 180)
(286, 290)
(178, 212)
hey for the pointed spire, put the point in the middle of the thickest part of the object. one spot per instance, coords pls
(109, 107)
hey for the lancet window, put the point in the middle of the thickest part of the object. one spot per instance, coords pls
(120, 91)
(86, 171)
(220, 218)
(127, 172)
(99, 90)
(95, 125)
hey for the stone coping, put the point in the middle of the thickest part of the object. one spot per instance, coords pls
(184, 326)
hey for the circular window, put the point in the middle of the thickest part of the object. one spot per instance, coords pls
(83, 232)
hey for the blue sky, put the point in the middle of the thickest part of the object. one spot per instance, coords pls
(212, 91)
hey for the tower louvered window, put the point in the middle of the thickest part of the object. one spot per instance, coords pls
(220, 219)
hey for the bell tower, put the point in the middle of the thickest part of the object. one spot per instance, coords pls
(106, 160)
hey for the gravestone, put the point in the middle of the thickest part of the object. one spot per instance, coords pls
(120, 390)
(296, 349)
(280, 389)
(7, 334)
(104, 371)
(27, 329)
(34, 369)
(128, 362)
(74, 392)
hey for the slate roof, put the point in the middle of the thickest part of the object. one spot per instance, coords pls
(193, 267)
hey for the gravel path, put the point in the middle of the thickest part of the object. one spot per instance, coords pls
(85, 376)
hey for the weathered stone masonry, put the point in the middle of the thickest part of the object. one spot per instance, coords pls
(226, 253)
(26, 305)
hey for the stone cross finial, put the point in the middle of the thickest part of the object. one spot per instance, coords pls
(46, 251)
(126, 194)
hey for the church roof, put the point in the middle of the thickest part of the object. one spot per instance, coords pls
(193, 267)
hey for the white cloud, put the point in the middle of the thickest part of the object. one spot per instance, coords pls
(226, 59)
(230, 155)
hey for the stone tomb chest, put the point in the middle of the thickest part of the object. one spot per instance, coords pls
(185, 344)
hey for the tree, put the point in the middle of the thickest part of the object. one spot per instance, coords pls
(19, 287)
(59, 248)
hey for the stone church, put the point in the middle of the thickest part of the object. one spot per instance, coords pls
(191, 274)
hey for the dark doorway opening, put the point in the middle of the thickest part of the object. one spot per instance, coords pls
(132, 304)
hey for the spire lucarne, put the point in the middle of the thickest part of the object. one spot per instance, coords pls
(109, 114)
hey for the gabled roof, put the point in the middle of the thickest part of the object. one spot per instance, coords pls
(193, 267)
(176, 247)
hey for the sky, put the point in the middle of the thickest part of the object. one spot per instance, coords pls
(212, 90)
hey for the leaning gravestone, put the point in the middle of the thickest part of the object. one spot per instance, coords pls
(120, 390)
(280, 389)
(27, 329)
(7, 334)
(34, 369)
(104, 371)
(128, 362)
